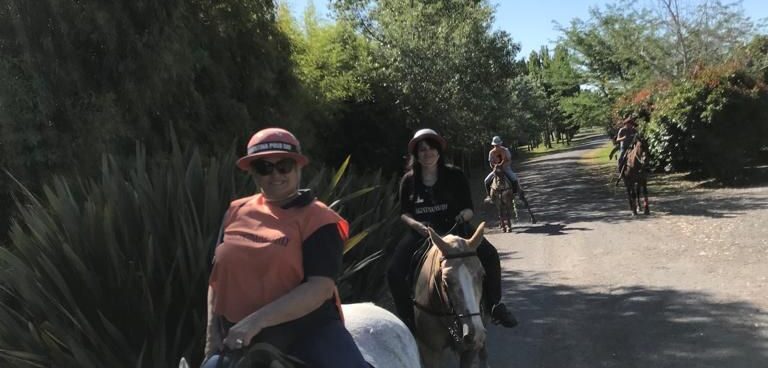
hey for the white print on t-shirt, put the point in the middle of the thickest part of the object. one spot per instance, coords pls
(431, 209)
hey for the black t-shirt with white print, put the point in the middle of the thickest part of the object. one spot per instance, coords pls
(438, 205)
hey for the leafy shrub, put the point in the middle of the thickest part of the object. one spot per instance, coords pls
(112, 271)
(713, 126)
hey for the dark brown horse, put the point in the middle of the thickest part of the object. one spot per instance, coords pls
(635, 175)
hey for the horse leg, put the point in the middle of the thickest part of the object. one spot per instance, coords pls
(468, 358)
(483, 357)
(647, 210)
(636, 195)
(514, 208)
(631, 197)
(430, 358)
(527, 206)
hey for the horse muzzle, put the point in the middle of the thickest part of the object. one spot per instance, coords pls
(472, 338)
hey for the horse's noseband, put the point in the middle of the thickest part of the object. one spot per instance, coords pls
(466, 254)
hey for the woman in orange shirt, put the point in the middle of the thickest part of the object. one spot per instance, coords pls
(276, 264)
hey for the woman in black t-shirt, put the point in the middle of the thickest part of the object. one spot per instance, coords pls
(436, 195)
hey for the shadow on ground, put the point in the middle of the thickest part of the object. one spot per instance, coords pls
(628, 327)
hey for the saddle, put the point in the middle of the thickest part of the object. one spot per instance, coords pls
(255, 355)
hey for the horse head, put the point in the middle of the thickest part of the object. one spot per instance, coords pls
(459, 284)
(639, 154)
(500, 181)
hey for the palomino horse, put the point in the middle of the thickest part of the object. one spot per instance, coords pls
(447, 297)
(634, 175)
(382, 338)
(503, 194)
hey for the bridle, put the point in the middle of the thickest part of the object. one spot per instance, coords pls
(445, 299)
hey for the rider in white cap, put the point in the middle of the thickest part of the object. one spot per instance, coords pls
(499, 156)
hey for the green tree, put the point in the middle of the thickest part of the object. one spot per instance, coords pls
(448, 70)
(625, 44)
(80, 78)
(350, 99)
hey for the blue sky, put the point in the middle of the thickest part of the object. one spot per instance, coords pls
(531, 22)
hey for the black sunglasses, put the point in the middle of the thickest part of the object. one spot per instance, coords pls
(264, 167)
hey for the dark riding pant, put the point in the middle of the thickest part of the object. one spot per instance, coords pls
(329, 346)
(622, 158)
(403, 263)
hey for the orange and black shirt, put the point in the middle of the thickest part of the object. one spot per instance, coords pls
(266, 251)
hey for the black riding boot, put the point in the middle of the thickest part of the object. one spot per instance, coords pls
(489, 257)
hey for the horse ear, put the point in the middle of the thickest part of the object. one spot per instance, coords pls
(438, 241)
(477, 237)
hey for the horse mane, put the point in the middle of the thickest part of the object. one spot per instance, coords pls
(638, 147)
(431, 269)
(431, 272)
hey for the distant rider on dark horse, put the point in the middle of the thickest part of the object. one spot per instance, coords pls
(499, 156)
(625, 137)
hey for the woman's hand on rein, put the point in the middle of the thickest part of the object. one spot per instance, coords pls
(241, 333)
(423, 229)
(464, 216)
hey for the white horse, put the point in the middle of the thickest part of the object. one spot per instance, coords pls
(383, 339)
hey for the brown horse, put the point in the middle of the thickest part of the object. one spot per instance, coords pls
(447, 297)
(634, 175)
(503, 193)
(503, 196)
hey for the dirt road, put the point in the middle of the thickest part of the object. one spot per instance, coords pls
(593, 286)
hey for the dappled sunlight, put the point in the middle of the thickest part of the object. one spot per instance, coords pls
(629, 326)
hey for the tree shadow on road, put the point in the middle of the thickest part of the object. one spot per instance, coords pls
(565, 326)
(712, 205)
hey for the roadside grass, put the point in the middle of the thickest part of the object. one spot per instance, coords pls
(658, 183)
(557, 147)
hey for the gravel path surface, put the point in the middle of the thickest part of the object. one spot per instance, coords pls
(594, 286)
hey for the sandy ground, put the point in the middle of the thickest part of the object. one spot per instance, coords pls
(594, 286)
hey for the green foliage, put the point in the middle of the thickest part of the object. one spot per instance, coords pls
(714, 126)
(112, 271)
(587, 109)
(331, 59)
(446, 68)
(683, 72)
(561, 82)
(626, 44)
(81, 78)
